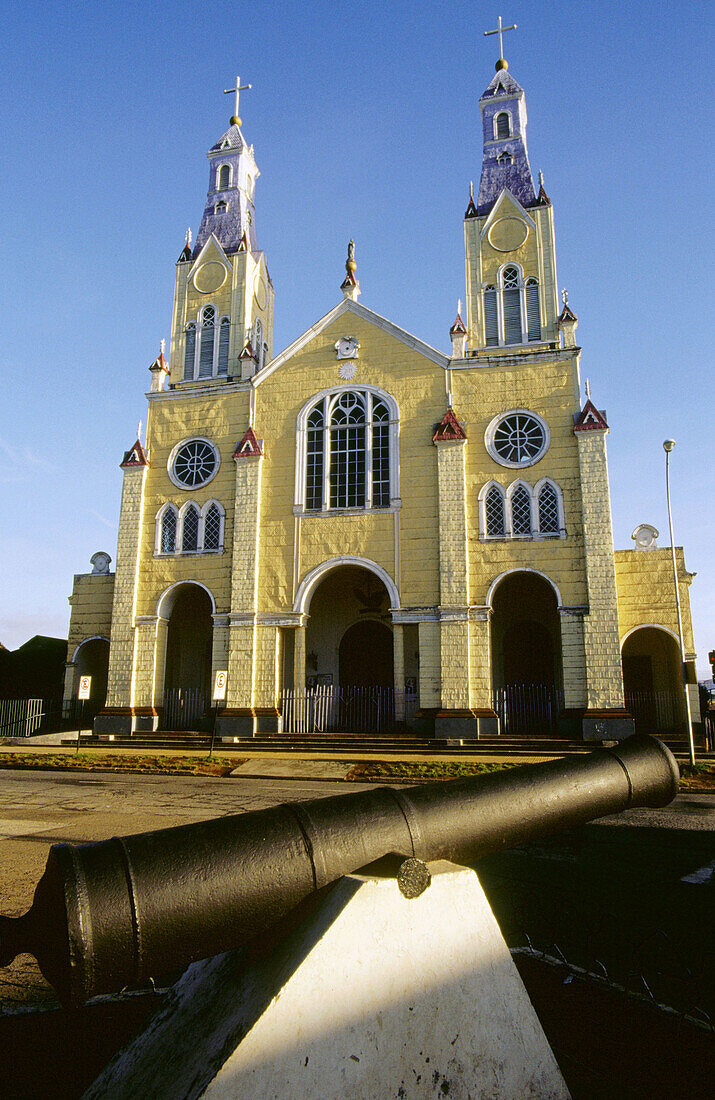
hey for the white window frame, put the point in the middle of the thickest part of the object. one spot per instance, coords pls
(217, 177)
(197, 322)
(498, 283)
(507, 493)
(495, 125)
(175, 450)
(180, 513)
(328, 398)
(491, 432)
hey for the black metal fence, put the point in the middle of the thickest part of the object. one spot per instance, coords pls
(657, 711)
(525, 709)
(185, 708)
(329, 708)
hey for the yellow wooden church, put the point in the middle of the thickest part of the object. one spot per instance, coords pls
(366, 533)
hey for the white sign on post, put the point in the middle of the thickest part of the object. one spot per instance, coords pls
(85, 683)
(220, 685)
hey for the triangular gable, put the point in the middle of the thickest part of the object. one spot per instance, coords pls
(449, 430)
(249, 446)
(590, 419)
(348, 306)
(506, 198)
(243, 245)
(542, 198)
(135, 456)
(471, 211)
(247, 352)
(212, 250)
(567, 315)
(458, 328)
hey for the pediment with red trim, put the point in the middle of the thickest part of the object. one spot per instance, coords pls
(567, 316)
(590, 419)
(449, 430)
(471, 211)
(458, 328)
(247, 352)
(249, 446)
(135, 456)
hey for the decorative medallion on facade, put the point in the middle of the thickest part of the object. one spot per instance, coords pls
(249, 446)
(645, 537)
(449, 430)
(347, 347)
(590, 419)
(347, 371)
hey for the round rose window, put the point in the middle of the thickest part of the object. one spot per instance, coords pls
(193, 463)
(518, 438)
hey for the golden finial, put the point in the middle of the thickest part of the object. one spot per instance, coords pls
(350, 264)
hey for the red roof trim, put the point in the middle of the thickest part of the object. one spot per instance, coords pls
(449, 430)
(135, 456)
(249, 446)
(590, 419)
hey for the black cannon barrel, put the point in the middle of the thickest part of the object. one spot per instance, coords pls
(115, 913)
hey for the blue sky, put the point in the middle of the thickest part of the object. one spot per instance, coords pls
(365, 123)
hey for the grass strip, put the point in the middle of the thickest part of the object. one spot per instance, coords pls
(144, 765)
(393, 769)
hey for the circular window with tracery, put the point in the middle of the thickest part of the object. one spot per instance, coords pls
(517, 438)
(193, 463)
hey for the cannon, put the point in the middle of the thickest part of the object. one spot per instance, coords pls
(115, 913)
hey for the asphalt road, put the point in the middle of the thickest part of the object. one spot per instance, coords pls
(38, 809)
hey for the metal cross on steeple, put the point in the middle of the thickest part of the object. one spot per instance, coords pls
(235, 91)
(499, 30)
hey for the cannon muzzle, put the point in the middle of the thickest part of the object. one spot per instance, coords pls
(118, 912)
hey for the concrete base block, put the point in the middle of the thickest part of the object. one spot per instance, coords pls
(240, 726)
(371, 996)
(120, 725)
(466, 726)
(607, 728)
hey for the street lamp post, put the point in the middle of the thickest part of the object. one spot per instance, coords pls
(668, 447)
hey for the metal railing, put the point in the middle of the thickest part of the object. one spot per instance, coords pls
(525, 709)
(20, 717)
(184, 708)
(329, 708)
(656, 711)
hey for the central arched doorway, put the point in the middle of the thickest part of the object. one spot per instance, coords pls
(349, 663)
(187, 677)
(526, 655)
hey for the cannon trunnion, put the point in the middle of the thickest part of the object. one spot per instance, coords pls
(115, 913)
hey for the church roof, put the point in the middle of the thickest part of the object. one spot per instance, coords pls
(502, 83)
(231, 139)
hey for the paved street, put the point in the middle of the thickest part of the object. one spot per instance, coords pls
(38, 809)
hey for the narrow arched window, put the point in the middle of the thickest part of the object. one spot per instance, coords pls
(494, 510)
(504, 159)
(533, 315)
(347, 452)
(380, 455)
(206, 355)
(502, 128)
(224, 333)
(224, 177)
(167, 543)
(521, 511)
(258, 342)
(212, 528)
(314, 459)
(190, 529)
(190, 351)
(548, 510)
(491, 317)
(220, 208)
(511, 298)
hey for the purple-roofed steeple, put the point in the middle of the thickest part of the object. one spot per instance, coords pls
(505, 162)
(229, 211)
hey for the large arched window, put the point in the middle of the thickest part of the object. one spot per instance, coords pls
(207, 346)
(512, 311)
(347, 451)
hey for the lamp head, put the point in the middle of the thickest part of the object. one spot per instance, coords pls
(668, 445)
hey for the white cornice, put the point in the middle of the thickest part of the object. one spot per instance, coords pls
(526, 359)
(348, 306)
(189, 389)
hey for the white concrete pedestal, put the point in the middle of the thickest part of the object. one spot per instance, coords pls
(371, 996)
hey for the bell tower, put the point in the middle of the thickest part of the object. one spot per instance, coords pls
(222, 327)
(512, 299)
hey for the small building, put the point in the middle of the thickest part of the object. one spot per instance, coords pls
(366, 532)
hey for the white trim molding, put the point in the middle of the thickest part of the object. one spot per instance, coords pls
(165, 603)
(521, 569)
(652, 626)
(311, 580)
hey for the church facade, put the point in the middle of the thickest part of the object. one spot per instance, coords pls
(363, 523)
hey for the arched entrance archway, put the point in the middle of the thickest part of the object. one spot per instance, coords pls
(92, 659)
(187, 678)
(652, 681)
(526, 655)
(349, 662)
